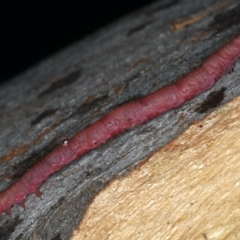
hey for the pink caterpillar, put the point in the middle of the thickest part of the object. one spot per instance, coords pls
(121, 119)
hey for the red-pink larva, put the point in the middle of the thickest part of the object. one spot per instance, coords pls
(121, 119)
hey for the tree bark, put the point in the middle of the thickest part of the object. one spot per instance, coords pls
(132, 57)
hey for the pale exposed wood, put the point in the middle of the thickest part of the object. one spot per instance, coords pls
(128, 59)
(187, 190)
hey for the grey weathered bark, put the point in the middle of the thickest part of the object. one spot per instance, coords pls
(132, 57)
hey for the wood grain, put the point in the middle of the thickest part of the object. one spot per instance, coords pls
(187, 190)
(64, 94)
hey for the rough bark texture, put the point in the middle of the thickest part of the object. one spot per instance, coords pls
(134, 56)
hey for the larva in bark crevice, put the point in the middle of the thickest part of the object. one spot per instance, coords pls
(121, 119)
